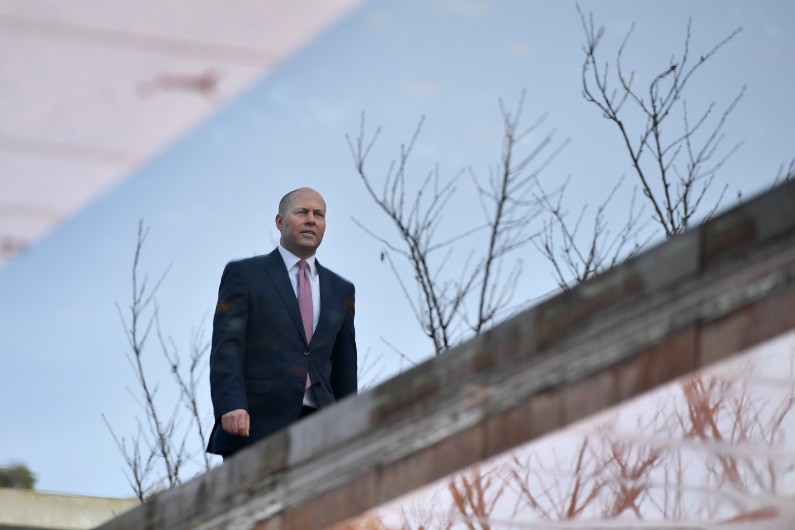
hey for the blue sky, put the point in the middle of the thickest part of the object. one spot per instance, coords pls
(211, 197)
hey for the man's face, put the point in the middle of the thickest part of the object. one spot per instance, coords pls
(303, 223)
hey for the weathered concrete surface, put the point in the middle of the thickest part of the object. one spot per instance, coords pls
(38, 510)
(683, 305)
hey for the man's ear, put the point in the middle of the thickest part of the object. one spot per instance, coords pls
(278, 222)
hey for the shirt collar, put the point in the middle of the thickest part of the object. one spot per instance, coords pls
(291, 260)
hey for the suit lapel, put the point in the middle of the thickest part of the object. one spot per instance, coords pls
(274, 266)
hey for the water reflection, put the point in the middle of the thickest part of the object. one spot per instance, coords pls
(713, 450)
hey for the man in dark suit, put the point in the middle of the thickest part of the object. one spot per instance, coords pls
(283, 344)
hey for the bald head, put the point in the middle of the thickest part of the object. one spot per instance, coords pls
(287, 200)
(301, 221)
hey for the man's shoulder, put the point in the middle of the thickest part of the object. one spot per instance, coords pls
(253, 262)
(333, 276)
(256, 260)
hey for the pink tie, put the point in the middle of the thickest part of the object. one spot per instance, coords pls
(305, 303)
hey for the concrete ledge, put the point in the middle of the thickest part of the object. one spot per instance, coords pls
(683, 305)
(40, 510)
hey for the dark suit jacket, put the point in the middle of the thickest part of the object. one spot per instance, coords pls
(260, 356)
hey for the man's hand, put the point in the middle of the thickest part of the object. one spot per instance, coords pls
(236, 422)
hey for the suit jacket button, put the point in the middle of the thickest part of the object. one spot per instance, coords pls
(306, 353)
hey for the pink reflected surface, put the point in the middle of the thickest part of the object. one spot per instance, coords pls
(712, 450)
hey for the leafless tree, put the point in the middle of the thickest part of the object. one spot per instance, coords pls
(188, 382)
(448, 306)
(727, 413)
(156, 454)
(676, 165)
(475, 494)
(557, 490)
(675, 157)
(575, 257)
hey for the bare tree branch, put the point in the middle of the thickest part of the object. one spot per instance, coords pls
(675, 194)
(448, 305)
(156, 455)
(576, 258)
